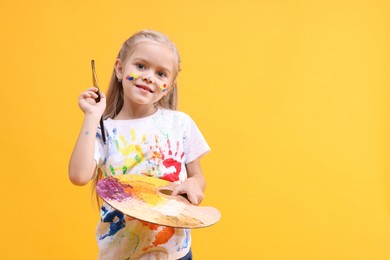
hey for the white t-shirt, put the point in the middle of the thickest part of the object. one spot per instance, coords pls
(160, 146)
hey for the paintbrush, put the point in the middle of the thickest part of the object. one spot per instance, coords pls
(95, 84)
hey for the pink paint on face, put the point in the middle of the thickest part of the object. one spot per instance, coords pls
(132, 76)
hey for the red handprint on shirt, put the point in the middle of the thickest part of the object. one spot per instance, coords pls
(169, 159)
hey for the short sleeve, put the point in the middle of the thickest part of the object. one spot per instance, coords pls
(195, 145)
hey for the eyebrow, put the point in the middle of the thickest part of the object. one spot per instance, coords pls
(147, 62)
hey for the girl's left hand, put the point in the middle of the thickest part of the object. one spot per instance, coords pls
(193, 190)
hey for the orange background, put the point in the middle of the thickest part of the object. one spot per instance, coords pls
(292, 96)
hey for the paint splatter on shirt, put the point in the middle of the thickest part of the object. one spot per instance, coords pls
(160, 146)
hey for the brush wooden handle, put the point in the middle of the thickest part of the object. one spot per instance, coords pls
(95, 84)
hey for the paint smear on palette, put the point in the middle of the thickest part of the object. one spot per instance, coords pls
(113, 189)
(141, 197)
(116, 189)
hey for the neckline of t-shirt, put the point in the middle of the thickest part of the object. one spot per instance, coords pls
(136, 119)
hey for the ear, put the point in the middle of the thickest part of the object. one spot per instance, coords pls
(118, 69)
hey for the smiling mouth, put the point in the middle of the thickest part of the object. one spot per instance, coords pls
(146, 88)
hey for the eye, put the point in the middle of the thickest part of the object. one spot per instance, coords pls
(140, 66)
(161, 74)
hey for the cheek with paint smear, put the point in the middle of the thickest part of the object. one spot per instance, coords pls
(163, 87)
(132, 76)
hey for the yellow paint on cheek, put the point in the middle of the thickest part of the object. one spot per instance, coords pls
(132, 76)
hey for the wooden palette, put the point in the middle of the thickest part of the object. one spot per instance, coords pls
(149, 199)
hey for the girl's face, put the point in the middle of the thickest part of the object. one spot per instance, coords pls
(151, 66)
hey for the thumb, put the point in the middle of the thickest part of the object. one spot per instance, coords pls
(192, 198)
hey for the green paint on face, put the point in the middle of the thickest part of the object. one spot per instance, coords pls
(124, 169)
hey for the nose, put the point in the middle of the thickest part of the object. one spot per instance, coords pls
(147, 78)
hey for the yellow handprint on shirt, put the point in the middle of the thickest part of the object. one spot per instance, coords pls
(132, 151)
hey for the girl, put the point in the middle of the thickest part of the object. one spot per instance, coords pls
(145, 135)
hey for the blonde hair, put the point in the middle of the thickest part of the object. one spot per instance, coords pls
(114, 100)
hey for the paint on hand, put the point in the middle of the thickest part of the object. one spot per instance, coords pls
(132, 76)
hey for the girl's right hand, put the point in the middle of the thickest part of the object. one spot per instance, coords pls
(87, 102)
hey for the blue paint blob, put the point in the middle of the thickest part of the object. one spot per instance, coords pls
(186, 240)
(98, 136)
(114, 226)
